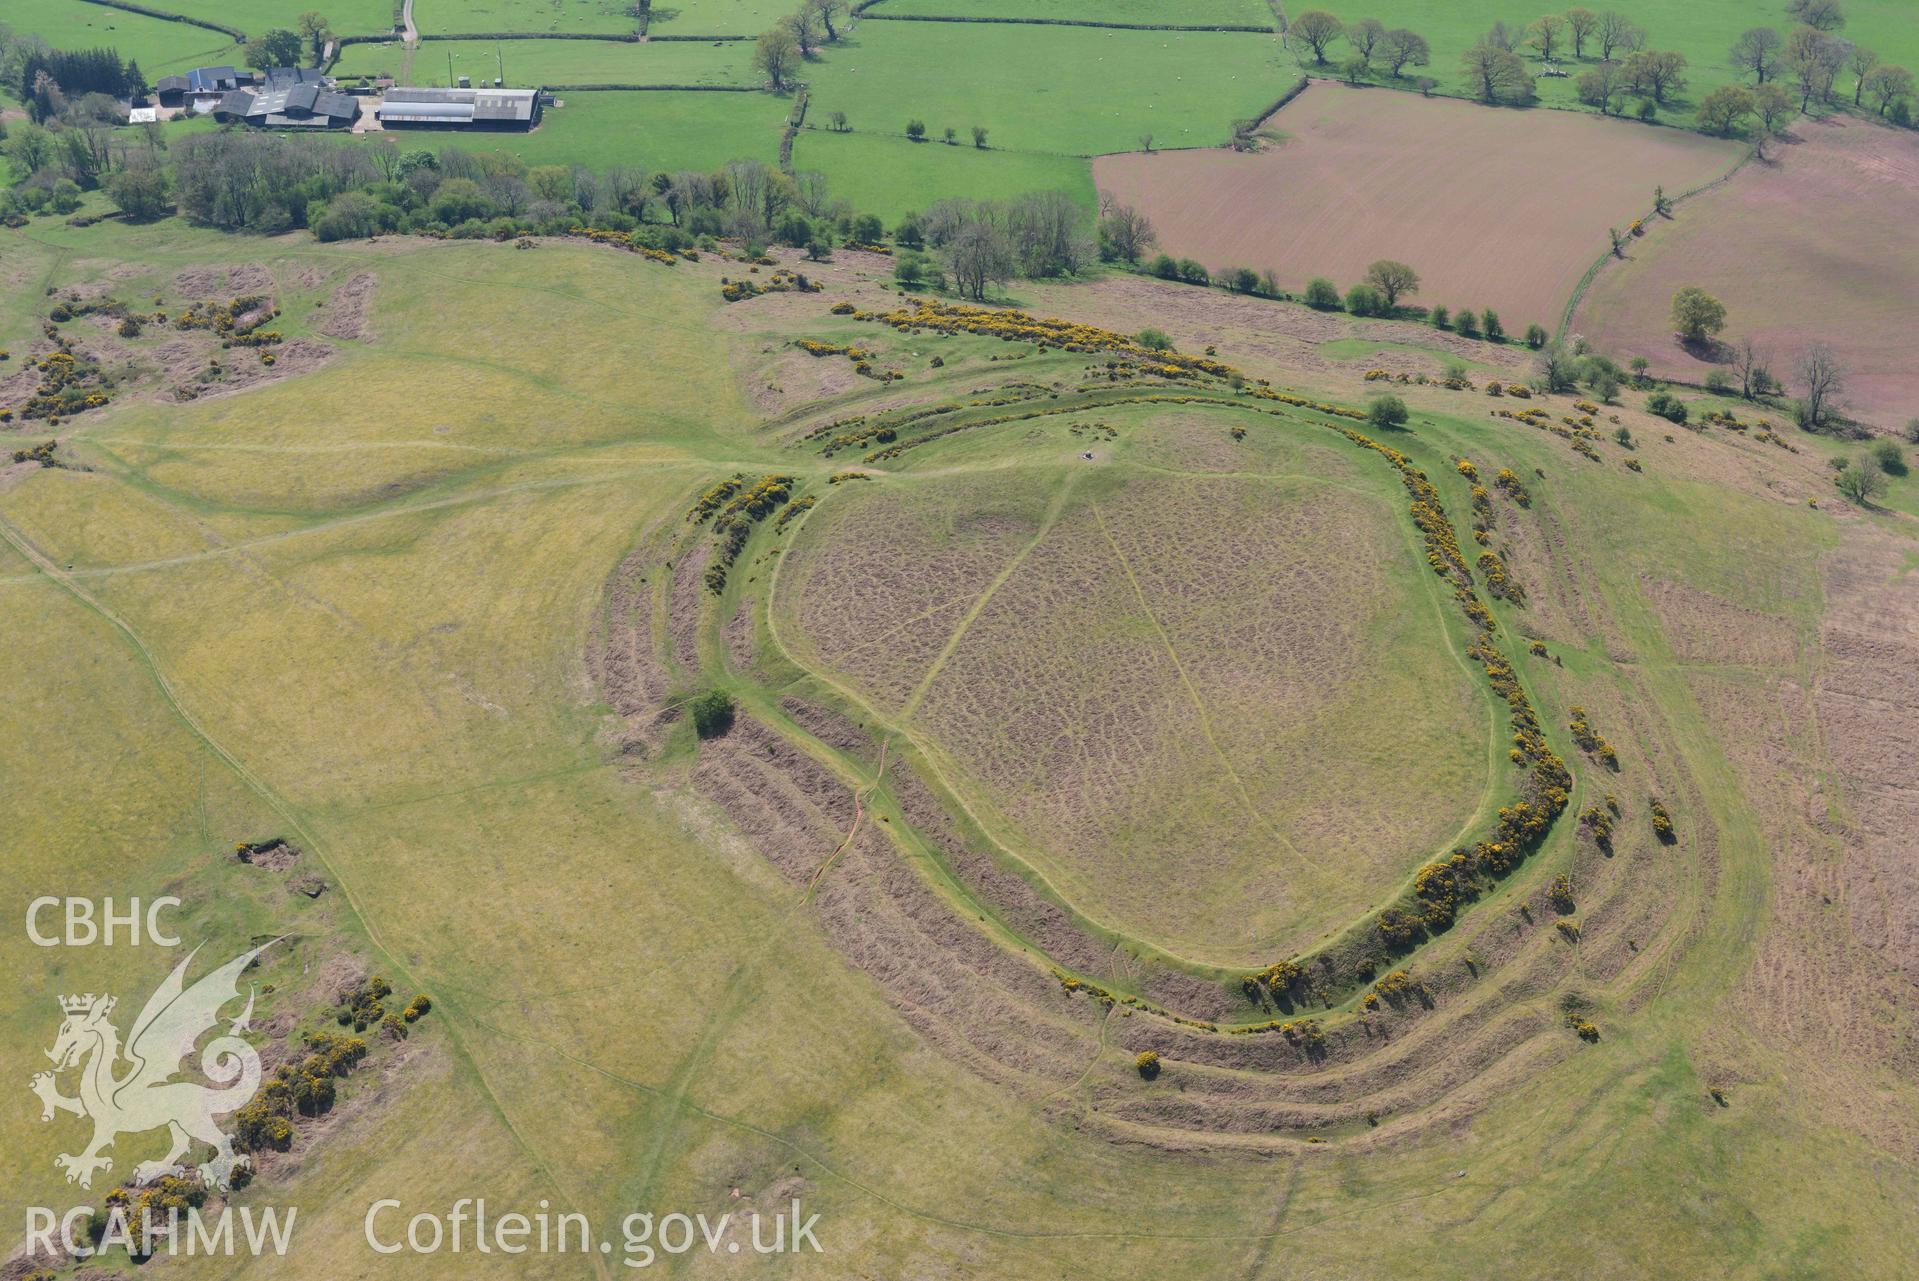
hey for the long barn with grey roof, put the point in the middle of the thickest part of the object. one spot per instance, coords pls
(482, 108)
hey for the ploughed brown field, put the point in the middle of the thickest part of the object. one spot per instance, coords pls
(1818, 244)
(1494, 208)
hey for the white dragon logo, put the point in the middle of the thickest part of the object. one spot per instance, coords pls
(144, 1097)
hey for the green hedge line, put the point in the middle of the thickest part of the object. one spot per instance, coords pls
(1282, 100)
(1063, 22)
(627, 88)
(239, 36)
(629, 37)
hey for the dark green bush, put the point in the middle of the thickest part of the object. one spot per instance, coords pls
(1667, 406)
(1386, 411)
(1322, 293)
(712, 713)
(1365, 300)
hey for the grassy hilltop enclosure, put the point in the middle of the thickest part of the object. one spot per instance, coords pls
(439, 635)
(1046, 639)
(1194, 711)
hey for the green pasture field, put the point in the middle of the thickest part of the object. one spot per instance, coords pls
(344, 17)
(522, 17)
(1191, 13)
(1050, 89)
(560, 62)
(1703, 31)
(159, 47)
(716, 17)
(657, 129)
(891, 176)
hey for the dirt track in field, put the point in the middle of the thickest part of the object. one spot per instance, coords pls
(1818, 244)
(1494, 208)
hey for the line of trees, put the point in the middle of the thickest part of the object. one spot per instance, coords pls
(1811, 58)
(46, 79)
(1371, 42)
(72, 140)
(782, 48)
(245, 181)
(1745, 370)
(985, 243)
(496, 194)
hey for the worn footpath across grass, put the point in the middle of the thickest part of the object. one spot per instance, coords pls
(355, 603)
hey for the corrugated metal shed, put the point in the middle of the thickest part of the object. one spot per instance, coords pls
(504, 104)
(427, 113)
(435, 106)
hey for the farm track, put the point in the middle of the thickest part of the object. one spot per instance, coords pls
(409, 43)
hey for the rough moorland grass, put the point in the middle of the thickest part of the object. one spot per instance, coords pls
(562, 62)
(388, 673)
(634, 1015)
(655, 130)
(1241, 13)
(1704, 32)
(890, 176)
(158, 46)
(1175, 727)
(1070, 90)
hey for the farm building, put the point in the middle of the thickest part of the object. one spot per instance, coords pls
(290, 98)
(202, 84)
(482, 108)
